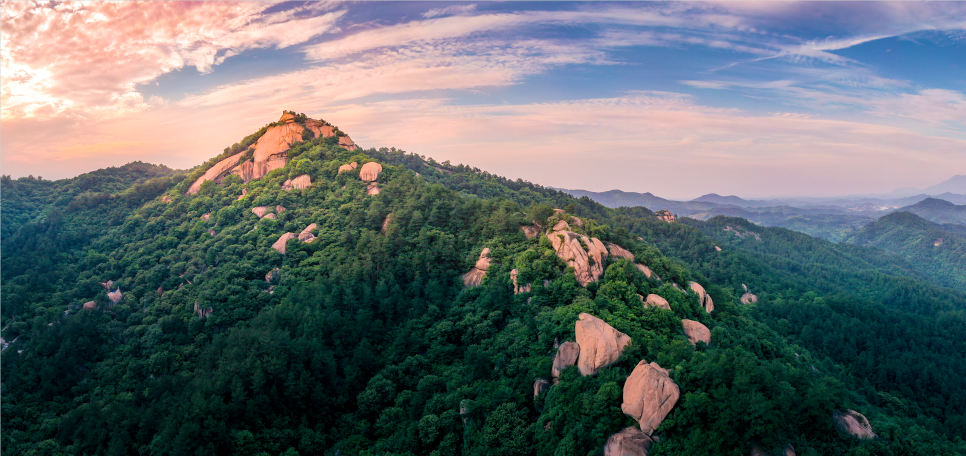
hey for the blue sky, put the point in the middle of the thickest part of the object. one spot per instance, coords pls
(756, 99)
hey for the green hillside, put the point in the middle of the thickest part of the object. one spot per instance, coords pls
(365, 340)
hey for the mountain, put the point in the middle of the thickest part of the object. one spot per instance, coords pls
(730, 200)
(955, 184)
(938, 211)
(618, 198)
(297, 295)
(934, 250)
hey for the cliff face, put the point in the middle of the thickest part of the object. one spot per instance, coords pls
(270, 152)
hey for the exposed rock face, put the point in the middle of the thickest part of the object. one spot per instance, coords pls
(649, 395)
(370, 172)
(372, 189)
(646, 270)
(319, 129)
(618, 251)
(561, 226)
(630, 441)
(273, 275)
(206, 216)
(696, 331)
(270, 216)
(107, 285)
(306, 234)
(654, 300)
(517, 288)
(115, 296)
(938, 242)
(588, 264)
(300, 182)
(215, 172)
(279, 209)
(90, 305)
(475, 276)
(202, 312)
(346, 142)
(260, 211)
(854, 423)
(666, 215)
(244, 192)
(600, 344)
(540, 386)
(717, 249)
(280, 244)
(271, 149)
(566, 356)
(703, 296)
(348, 167)
(530, 231)
(385, 224)
(166, 199)
(748, 298)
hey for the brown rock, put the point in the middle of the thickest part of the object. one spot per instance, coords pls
(348, 167)
(211, 232)
(566, 356)
(160, 291)
(287, 117)
(748, 298)
(215, 172)
(319, 129)
(115, 296)
(666, 215)
(206, 216)
(90, 305)
(202, 312)
(600, 344)
(853, 423)
(280, 244)
(244, 192)
(273, 275)
(271, 149)
(270, 217)
(370, 172)
(646, 270)
(540, 386)
(372, 189)
(696, 331)
(703, 297)
(654, 300)
(717, 249)
(279, 209)
(630, 441)
(618, 251)
(577, 221)
(588, 263)
(649, 395)
(306, 234)
(385, 224)
(561, 226)
(530, 231)
(347, 143)
(300, 182)
(517, 288)
(475, 277)
(107, 285)
(260, 211)
(166, 199)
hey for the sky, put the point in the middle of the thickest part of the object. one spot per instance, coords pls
(756, 99)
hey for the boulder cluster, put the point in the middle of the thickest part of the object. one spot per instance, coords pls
(305, 236)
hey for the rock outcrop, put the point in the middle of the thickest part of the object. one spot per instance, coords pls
(166, 199)
(306, 234)
(206, 216)
(566, 356)
(348, 167)
(654, 300)
(372, 189)
(517, 288)
(854, 423)
(260, 211)
(297, 183)
(646, 270)
(270, 217)
(540, 386)
(630, 441)
(108, 285)
(280, 209)
(221, 168)
(703, 297)
(748, 298)
(649, 395)
(115, 296)
(666, 215)
(618, 251)
(475, 276)
(370, 172)
(600, 344)
(203, 312)
(696, 331)
(530, 231)
(588, 263)
(280, 244)
(90, 305)
(244, 192)
(347, 143)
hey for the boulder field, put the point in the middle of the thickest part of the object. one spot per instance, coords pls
(270, 152)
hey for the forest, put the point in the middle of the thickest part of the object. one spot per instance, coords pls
(365, 341)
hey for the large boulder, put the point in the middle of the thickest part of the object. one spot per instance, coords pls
(586, 255)
(566, 356)
(320, 129)
(618, 251)
(300, 182)
(370, 172)
(654, 300)
(853, 423)
(260, 211)
(347, 143)
(649, 395)
(696, 331)
(518, 288)
(630, 441)
(348, 167)
(748, 298)
(703, 297)
(600, 344)
(282, 241)
(530, 231)
(115, 296)
(90, 305)
(475, 276)
(306, 234)
(647, 271)
(540, 386)
(372, 189)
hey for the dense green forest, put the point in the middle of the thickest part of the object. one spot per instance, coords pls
(366, 341)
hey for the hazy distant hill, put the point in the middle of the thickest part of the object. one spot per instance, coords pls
(938, 211)
(955, 184)
(619, 198)
(731, 200)
(935, 250)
